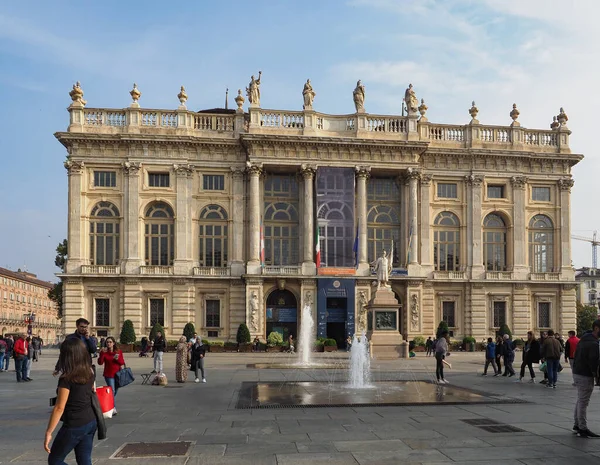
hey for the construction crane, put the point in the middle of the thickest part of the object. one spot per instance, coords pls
(595, 243)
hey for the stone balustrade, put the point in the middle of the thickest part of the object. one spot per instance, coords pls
(499, 275)
(100, 269)
(281, 270)
(211, 271)
(183, 122)
(449, 275)
(156, 270)
(544, 276)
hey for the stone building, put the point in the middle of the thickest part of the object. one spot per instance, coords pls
(25, 306)
(220, 217)
(588, 282)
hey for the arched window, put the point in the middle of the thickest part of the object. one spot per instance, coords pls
(494, 243)
(541, 244)
(159, 234)
(281, 232)
(383, 218)
(213, 236)
(446, 242)
(104, 234)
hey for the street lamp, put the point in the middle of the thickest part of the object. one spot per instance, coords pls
(29, 318)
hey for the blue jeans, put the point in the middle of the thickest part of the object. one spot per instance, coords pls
(7, 357)
(80, 438)
(2, 361)
(112, 383)
(552, 368)
(21, 367)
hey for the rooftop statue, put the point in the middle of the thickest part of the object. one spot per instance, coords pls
(359, 97)
(309, 95)
(253, 90)
(412, 103)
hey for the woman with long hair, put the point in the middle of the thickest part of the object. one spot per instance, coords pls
(113, 361)
(73, 406)
(181, 360)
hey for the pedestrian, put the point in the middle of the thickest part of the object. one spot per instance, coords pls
(10, 343)
(428, 347)
(102, 342)
(73, 406)
(112, 359)
(291, 343)
(3, 350)
(490, 357)
(29, 359)
(543, 337)
(499, 349)
(36, 346)
(81, 333)
(585, 368)
(441, 349)
(20, 353)
(197, 365)
(94, 341)
(256, 344)
(348, 343)
(551, 354)
(570, 347)
(508, 354)
(531, 354)
(193, 339)
(181, 360)
(158, 348)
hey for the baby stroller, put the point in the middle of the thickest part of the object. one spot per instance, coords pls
(146, 348)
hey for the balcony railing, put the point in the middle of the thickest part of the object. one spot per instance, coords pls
(544, 276)
(281, 270)
(499, 275)
(211, 271)
(448, 275)
(156, 270)
(100, 269)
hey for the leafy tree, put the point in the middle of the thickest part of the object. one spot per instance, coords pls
(442, 327)
(189, 330)
(56, 293)
(586, 315)
(504, 329)
(62, 252)
(243, 334)
(127, 333)
(155, 329)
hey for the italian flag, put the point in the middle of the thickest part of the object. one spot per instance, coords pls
(317, 249)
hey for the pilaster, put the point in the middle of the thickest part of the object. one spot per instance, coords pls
(73, 304)
(474, 226)
(568, 309)
(183, 306)
(566, 269)
(362, 175)
(133, 305)
(237, 230)
(183, 220)
(520, 268)
(75, 219)
(476, 321)
(131, 218)
(521, 310)
(426, 265)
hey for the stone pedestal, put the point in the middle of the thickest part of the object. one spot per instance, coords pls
(385, 341)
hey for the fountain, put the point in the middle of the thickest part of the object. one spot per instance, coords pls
(306, 336)
(359, 375)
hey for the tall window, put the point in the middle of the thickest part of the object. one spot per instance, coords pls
(494, 243)
(157, 312)
(213, 313)
(281, 220)
(104, 234)
(383, 218)
(446, 242)
(213, 236)
(499, 313)
(159, 234)
(541, 244)
(544, 314)
(448, 313)
(102, 312)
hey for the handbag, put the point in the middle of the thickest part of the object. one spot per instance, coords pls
(543, 367)
(124, 377)
(100, 423)
(106, 401)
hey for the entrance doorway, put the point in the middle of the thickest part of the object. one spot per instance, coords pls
(282, 314)
(336, 319)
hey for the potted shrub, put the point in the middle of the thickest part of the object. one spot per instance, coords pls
(318, 346)
(127, 337)
(469, 343)
(330, 345)
(216, 347)
(274, 342)
(243, 338)
(230, 346)
(206, 344)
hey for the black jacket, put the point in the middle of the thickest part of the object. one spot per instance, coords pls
(587, 356)
(197, 350)
(532, 354)
(159, 345)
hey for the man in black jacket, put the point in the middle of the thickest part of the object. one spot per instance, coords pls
(159, 348)
(585, 368)
(82, 333)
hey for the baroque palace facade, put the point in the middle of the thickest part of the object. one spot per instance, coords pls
(220, 217)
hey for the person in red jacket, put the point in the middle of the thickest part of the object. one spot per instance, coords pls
(113, 361)
(20, 354)
(570, 348)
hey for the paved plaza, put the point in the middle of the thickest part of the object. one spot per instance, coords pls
(206, 416)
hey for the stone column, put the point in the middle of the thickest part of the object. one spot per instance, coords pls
(474, 226)
(426, 265)
(254, 207)
(413, 177)
(566, 269)
(308, 225)
(183, 220)
(237, 230)
(74, 231)
(131, 219)
(362, 175)
(520, 269)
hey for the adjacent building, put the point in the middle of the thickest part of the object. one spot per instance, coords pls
(222, 217)
(26, 308)
(588, 281)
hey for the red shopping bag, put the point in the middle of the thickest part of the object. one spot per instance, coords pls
(107, 400)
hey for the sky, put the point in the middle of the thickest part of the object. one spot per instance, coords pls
(540, 54)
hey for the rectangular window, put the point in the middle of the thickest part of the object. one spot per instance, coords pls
(544, 314)
(158, 179)
(213, 313)
(495, 192)
(213, 333)
(448, 313)
(105, 178)
(499, 308)
(213, 182)
(540, 194)
(157, 312)
(102, 312)
(447, 190)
